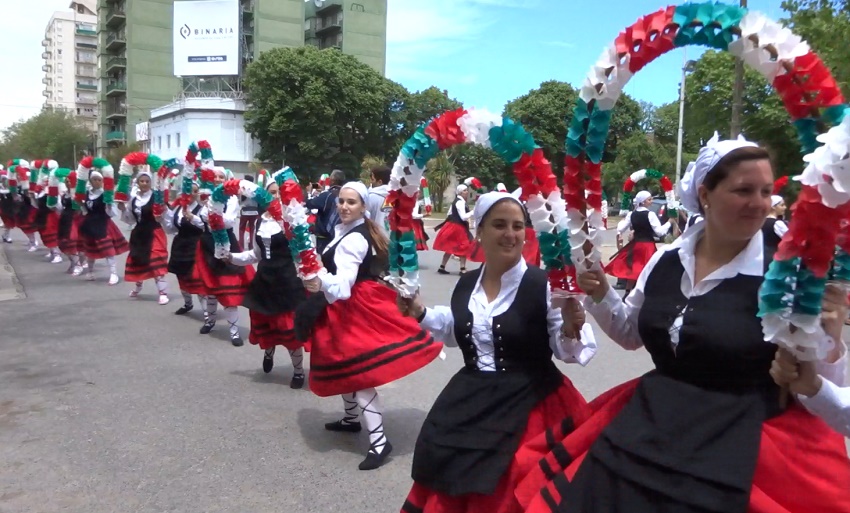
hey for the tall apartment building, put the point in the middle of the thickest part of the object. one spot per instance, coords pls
(357, 27)
(136, 58)
(70, 62)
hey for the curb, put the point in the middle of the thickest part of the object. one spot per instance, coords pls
(10, 286)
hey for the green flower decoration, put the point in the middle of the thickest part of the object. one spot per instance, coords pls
(511, 140)
(420, 147)
(403, 256)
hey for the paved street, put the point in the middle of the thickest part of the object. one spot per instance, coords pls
(109, 404)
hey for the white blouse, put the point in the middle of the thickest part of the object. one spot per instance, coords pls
(619, 319)
(659, 229)
(832, 404)
(460, 205)
(780, 228)
(350, 253)
(440, 322)
(418, 209)
(168, 218)
(141, 199)
(267, 229)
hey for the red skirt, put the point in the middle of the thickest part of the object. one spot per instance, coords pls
(268, 331)
(228, 289)
(189, 284)
(453, 238)
(8, 221)
(71, 244)
(630, 261)
(112, 245)
(50, 232)
(364, 342)
(530, 251)
(27, 225)
(802, 464)
(157, 264)
(564, 409)
(421, 236)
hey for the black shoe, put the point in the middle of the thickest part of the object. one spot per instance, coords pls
(297, 383)
(374, 460)
(344, 427)
(183, 310)
(268, 362)
(442, 270)
(236, 340)
(207, 327)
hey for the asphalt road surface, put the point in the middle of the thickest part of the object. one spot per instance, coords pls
(111, 404)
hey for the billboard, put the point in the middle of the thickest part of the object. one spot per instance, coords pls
(206, 38)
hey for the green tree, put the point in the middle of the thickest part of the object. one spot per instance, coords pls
(319, 109)
(366, 165)
(114, 154)
(439, 172)
(637, 151)
(825, 25)
(422, 106)
(482, 163)
(709, 108)
(50, 134)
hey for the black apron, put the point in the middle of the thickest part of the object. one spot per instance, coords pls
(474, 428)
(66, 219)
(217, 266)
(276, 287)
(96, 219)
(182, 258)
(141, 238)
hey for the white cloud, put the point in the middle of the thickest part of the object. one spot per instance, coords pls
(21, 87)
(560, 44)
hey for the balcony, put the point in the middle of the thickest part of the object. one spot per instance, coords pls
(116, 137)
(330, 7)
(87, 87)
(116, 111)
(46, 81)
(116, 63)
(115, 41)
(87, 73)
(46, 55)
(328, 27)
(248, 10)
(115, 16)
(46, 42)
(248, 30)
(47, 68)
(116, 88)
(45, 93)
(86, 32)
(86, 100)
(86, 46)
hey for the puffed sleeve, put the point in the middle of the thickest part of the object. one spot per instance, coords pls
(625, 225)
(127, 214)
(350, 253)
(441, 323)
(168, 221)
(231, 213)
(832, 404)
(461, 210)
(246, 258)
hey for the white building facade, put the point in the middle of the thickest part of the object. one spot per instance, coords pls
(221, 121)
(70, 62)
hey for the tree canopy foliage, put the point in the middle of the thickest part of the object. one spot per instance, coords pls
(49, 134)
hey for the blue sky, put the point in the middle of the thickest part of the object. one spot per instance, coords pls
(488, 52)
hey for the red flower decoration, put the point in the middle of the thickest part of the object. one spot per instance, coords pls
(207, 175)
(87, 162)
(108, 183)
(275, 210)
(231, 187)
(291, 191)
(401, 215)
(574, 184)
(534, 174)
(137, 158)
(309, 262)
(121, 196)
(36, 164)
(216, 221)
(204, 145)
(445, 130)
(813, 232)
(648, 38)
(807, 87)
(158, 209)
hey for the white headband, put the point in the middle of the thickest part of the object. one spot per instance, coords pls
(461, 188)
(95, 174)
(641, 197)
(360, 189)
(486, 201)
(776, 200)
(708, 157)
(144, 173)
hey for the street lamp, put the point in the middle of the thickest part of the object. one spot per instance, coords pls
(687, 67)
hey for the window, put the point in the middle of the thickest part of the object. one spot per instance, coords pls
(168, 141)
(177, 144)
(159, 142)
(59, 52)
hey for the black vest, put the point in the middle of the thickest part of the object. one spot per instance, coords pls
(276, 287)
(642, 227)
(66, 219)
(771, 240)
(95, 221)
(366, 271)
(454, 215)
(181, 259)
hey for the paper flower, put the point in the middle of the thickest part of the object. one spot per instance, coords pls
(706, 24)
(420, 148)
(648, 38)
(510, 141)
(476, 125)
(446, 129)
(807, 85)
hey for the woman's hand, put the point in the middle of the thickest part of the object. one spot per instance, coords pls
(574, 318)
(314, 284)
(227, 258)
(594, 284)
(800, 377)
(410, 306)
(122, 206)
(834, 310)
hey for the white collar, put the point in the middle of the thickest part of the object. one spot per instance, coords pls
(640, 209)
(268, 227)
(95, 193)
(342, 228)
(510, 277)
(750, 261)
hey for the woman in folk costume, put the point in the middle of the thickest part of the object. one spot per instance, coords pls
(275, 290)
(46, 218)
(471, 451)
(101, 239)
(706, 430)
(8, 206)
(69, 223)
(774, 226)
(148, 258)
(27, 211)
(419, 212)
(185, 221)
(453, 235)
(630, 260)
(222, 282)
(530, 247)
(360, 340)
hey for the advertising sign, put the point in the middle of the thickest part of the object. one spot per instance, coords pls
(206, 38)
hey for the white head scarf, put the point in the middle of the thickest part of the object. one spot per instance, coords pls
(461, 188)
(486, 201)
(708, 157)
(360, 189)
(776, 200)
(144, 173)
(641, 197)
(95, 174)
(501, 187)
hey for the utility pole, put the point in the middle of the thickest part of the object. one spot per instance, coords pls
(738, 93)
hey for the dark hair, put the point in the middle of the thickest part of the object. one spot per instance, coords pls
(250, 178)
(503, 200)
(337, 177)
(381, 173)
